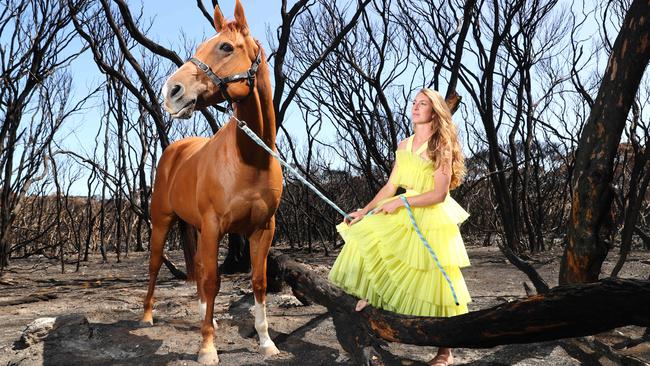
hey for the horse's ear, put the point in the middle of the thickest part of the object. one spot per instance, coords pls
(219, 20)
(241, 18)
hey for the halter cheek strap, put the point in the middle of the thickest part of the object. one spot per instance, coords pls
(222, 83)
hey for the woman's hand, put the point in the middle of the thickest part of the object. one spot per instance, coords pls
(390, 207)
(356, 216)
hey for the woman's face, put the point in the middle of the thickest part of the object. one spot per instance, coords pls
(422, 110)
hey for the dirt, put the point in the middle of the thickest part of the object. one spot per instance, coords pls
(95, 317)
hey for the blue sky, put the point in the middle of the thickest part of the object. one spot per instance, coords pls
(171, 18)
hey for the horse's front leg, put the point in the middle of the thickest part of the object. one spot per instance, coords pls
(260, 243)
(208, 286)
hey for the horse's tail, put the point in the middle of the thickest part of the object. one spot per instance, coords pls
(188, 240)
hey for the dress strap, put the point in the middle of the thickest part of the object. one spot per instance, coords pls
(422, 148)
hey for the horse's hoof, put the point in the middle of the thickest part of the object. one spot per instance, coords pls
(146, 322)
(270, 350)
(208, 357)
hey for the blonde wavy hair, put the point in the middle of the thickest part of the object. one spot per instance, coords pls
(443, 144)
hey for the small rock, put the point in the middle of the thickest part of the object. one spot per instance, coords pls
(40, 328)
(223, 316)
(287, 301)
(36, 331)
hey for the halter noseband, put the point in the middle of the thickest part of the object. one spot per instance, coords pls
(222, 82)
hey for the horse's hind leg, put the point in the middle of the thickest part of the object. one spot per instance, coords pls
(160, 227)
(260, 243)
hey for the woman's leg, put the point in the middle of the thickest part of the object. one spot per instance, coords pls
(361, 304)
(443, 358)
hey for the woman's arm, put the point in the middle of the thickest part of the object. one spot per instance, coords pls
(441, 179)
(388, 190)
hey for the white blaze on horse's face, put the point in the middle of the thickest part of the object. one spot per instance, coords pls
(227, 53)
(185, 87)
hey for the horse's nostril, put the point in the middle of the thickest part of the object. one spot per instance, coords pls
(175, 90)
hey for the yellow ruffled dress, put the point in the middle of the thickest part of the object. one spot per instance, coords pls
(383, 259)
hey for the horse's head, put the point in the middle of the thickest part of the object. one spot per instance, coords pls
(223, 68)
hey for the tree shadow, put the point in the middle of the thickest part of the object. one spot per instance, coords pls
(74, 341)
(294, 350)
(515, 353)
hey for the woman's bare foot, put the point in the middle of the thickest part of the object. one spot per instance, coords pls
(361, 304)
(443, 358)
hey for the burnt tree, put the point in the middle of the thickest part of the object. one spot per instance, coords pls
(592, 194)
(37, 44)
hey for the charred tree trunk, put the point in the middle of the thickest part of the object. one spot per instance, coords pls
(638, 190)
(564, 311)
(238, 259)
(592, 195)
(171, 266)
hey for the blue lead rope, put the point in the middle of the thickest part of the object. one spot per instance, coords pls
(244, 127)
(426, 244)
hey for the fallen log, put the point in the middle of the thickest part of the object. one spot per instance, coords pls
(564, 311)
(29, 299)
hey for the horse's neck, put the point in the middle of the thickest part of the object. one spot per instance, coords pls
(258, 117)
(258, 113)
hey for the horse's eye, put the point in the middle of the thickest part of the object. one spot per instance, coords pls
(226, 47)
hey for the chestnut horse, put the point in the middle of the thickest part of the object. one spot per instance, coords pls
(225, 183)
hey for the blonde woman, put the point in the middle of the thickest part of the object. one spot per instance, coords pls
(384, 262)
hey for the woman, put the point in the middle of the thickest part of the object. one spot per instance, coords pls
(384, 262)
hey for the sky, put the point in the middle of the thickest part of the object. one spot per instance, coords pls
(170, 18)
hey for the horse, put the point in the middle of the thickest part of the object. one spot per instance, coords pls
(223, 184)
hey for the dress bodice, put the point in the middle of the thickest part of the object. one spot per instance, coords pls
(413, 171)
